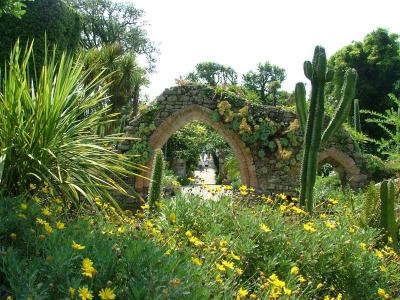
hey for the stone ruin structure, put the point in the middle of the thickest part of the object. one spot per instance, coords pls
(268, 162)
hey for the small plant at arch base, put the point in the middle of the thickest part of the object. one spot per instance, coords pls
(48, 137)
(318, 74)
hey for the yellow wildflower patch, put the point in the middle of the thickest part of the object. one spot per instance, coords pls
(87, 268)
(265, 228)
(295, 270)
(60, 225)
(77, 246)
(309, 227)
(383, 294)
(228, 264)
(241, 293)
(85, 293)
(107, 294)
(197, 261)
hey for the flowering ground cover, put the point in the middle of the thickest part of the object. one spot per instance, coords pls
(262, 247)
(242, 246)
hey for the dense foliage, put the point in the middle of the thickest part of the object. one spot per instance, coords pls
(107, 22)
(269, 248)
(46, 253)
(213, 74)
(377, 62)
(265, 81)
(12, 7)
(48, 131)
(124, 76)
(48, 22)
(389, 143)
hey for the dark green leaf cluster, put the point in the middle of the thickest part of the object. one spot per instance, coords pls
(48, 22)
(377, 62)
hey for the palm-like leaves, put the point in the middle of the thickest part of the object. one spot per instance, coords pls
(390, 123)
(48, 130)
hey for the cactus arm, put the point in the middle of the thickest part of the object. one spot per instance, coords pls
(301, 106)
(388, 220)
(356, 117)
(314, 147)
(156, 180)
(307, 145)
(384, 203)
(314, 126)
(342, 111)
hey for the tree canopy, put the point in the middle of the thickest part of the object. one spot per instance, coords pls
(47, 22)
(106, 22)
(124, 75)
(213, 74)
(377, 62)
(12, 7)
(265, 81)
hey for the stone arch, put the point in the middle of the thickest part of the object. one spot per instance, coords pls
(196, 112)
(343, 164)
(270, 170)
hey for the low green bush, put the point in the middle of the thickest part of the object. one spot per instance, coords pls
(269, 248)
(43, 250)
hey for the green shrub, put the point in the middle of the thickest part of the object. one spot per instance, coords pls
(48, 22)
(244, 247)
(376, 167)
(40, 264)
(48, 131)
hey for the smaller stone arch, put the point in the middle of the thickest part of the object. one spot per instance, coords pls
(196, 112)
(345, 165)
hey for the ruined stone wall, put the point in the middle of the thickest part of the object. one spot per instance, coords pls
(273, 164)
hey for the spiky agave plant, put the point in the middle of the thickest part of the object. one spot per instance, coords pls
(48, 130)
(312, 121)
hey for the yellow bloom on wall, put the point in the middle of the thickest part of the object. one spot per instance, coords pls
(331, 224)
(234, 256)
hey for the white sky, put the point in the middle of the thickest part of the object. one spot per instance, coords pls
(242, 33)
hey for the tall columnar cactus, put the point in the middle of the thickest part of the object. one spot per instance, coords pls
(387, 217)
(318, 74)
(356, 116)
(156, 179)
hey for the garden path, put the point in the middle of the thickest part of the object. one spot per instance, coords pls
(204, 184)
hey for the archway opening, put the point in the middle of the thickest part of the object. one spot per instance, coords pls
(194, 112)
(199, 154)
(336, 170)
